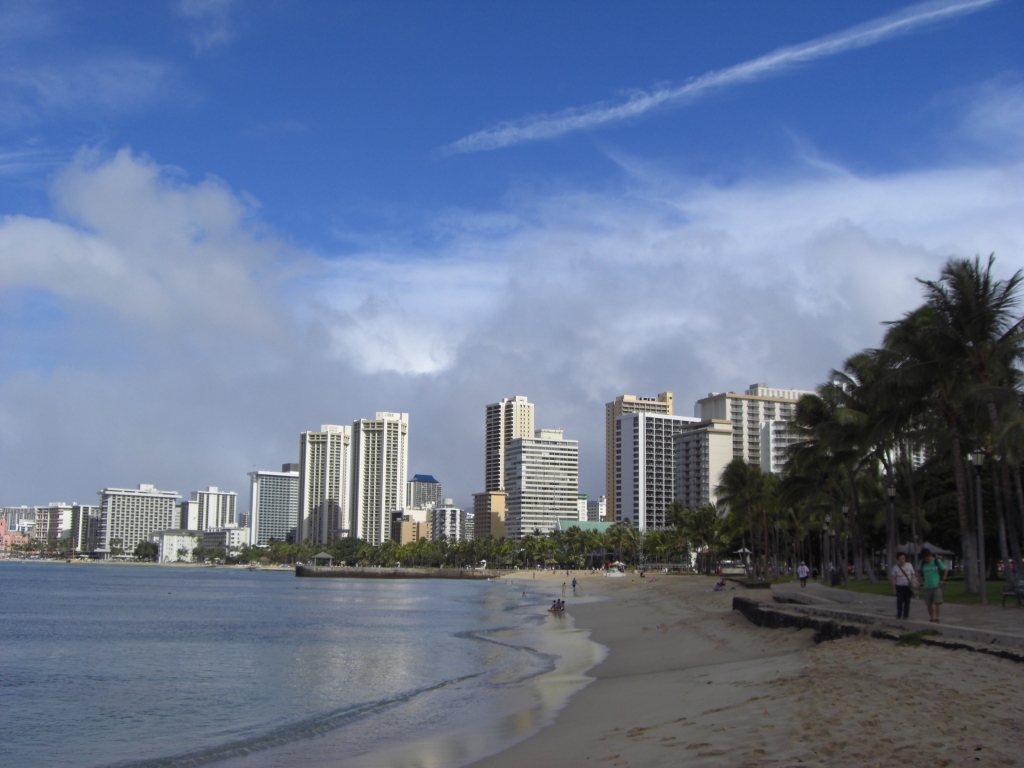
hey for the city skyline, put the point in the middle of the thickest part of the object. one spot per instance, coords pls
(200, 203)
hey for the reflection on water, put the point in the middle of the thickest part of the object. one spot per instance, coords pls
(158, 666)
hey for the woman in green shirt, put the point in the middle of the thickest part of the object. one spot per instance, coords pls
(933, 572)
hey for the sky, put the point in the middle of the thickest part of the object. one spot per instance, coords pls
(223, 223)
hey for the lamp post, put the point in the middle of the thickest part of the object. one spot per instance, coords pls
(894, 533)
(846, 545)
(978, 460)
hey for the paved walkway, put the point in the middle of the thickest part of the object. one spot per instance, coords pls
(968, 621)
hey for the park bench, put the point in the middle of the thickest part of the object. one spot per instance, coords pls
(1017, 593)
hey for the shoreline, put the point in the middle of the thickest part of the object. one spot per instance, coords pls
(687, 679)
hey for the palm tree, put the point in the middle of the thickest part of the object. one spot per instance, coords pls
(972, 319)
(739, 489)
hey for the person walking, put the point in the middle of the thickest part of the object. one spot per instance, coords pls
(574, 585)
(902, 579)
(933, 573)
(563, 589)
(803, 572)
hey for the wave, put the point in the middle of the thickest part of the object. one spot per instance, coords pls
(303, 729)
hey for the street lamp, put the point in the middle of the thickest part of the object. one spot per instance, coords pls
(977, 457)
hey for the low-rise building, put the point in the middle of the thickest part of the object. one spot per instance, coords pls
(175, 545)
(228, 540)
(410, 525)
(10, 539)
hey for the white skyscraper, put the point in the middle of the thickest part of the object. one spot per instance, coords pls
(130, 515)
(596, 509)
(507, 419)
(380, 460)
(273, 505)
(542, 482)
(644, 467)
(325, 464)
(209, 510)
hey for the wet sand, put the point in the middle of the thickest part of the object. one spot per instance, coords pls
(688, 681)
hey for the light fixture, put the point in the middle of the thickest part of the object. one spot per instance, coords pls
(891, 490)
(977, 458)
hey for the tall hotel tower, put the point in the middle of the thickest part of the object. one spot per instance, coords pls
(620, 406)
(508, 419)
(324, 467)
(380, 461)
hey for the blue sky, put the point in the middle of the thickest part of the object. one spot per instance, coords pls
(226, 222)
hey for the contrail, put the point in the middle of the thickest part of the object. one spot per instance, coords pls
(578, 119)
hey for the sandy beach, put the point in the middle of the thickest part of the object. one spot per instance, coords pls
(689, 681)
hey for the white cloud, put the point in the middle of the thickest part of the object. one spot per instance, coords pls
(147, 247)
(541, 127)
(210, 22)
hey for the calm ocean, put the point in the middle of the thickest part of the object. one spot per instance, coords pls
(107, 665)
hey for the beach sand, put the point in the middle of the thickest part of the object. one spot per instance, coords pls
(688, 681)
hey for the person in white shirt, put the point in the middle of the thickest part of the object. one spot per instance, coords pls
(803, 572)
(903, 577)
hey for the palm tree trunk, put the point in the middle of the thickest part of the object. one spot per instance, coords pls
(1004, 552)
(967, 543)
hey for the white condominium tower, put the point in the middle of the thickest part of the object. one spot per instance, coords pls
(324, 471)
(130, 515)
(380, 460)
(644, 467)
(209, 510)
(273, 505)
(748, 413)
(542, 482)
(507, 420)
(620, 406)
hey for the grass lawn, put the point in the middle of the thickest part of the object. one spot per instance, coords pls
(953, 591)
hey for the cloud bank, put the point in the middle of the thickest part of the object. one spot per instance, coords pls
(165, 336)
(541, 127)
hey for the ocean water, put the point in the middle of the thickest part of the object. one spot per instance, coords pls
(119, 665)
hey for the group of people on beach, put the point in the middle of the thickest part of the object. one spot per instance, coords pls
(557, 606)
(929, 578)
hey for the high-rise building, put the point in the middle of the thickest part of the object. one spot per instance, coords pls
(209, 510)
(273, 505)
(777, 436)
(596, 509)
(85, 524)
(581, 507)
(424, 492)
(53, 521)
(507, 420)
(702, 452)
(542, 482)
(644, 467)
(620, 406)
(380, 460)
(451, 522)
(324, 482)
(21, 519)
(748, 412)
(489, 514)
(130, 515)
